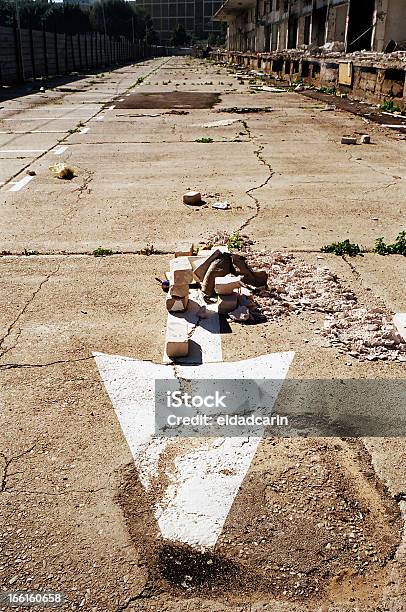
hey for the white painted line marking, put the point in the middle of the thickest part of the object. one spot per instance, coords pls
(204, 479)
(121, 100)
(22, 150)
(84, 130)
(36, 118)
(99, 118)
(112, 107)
(60, 150)
(22, 183)
(35, 132)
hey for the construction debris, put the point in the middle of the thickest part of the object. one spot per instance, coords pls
(365, 139)
(295, 286)
(221, 205)
(62, 171)
(192, 198)
(177, 337)
(225, 285)
(245, 109)
(348, 140)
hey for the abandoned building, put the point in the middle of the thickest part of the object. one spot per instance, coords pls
(358, 45)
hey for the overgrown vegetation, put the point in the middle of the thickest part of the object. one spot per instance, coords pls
(396, 248)
(113, 17)
(100, 252)
(205, 139)
(345, 247)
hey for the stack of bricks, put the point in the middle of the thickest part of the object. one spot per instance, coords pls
(180, 277)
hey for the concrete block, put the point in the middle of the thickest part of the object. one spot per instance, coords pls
(192, 197)
(179, 291)
(181, 270)
(348, 140)
(201, 269)
(365, 139)
(224, 285)
(227, 303)
(176, 304)
(399, 321)
(177, 337)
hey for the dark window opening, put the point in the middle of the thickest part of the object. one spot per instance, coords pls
(306, 35)
(305, 69)
(319, 25)
(360, 25)
(292, 32)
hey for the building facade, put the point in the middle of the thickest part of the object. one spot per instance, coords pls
(195, 15)
(342, 25)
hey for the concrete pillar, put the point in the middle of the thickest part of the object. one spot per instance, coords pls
(300, 31)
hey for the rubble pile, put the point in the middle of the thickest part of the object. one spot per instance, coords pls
(296, 286)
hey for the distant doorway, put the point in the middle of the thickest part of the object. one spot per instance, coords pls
(360, 25)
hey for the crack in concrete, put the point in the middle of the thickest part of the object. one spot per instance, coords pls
(22, 312)
(15, 366)
(249, 192)
(81, 190)
(146, 593)
(7, 463)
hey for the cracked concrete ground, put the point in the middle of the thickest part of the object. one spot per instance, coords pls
(75, 516)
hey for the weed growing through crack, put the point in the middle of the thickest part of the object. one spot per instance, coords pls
(345, 247)
(204, 139)
(389, 107)
(100, 252)
(77, 127)
(140, 80)
(396, 248)
(328, 90)
(234, 241)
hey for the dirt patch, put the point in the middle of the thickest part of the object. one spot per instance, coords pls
(357, 108)
(172, 99)
(311, 522)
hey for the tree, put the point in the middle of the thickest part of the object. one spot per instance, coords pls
(180, 37)
(118, 18)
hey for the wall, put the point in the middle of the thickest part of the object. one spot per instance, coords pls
(34, 54)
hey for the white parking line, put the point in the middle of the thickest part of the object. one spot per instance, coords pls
(99, 118)
(84, 130)
(60, 150)
(112, 107)
(22, 150)
(22, 183)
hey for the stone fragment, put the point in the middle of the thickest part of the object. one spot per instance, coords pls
(225, 285)
(240, 314)
(192, 197)
(365, 139)
(177, 338)
(201, 269)
(221, 266)
(227, 303)
(348, 140)
(257, 278)
(179, 291)
(176, 304)
(181, 270)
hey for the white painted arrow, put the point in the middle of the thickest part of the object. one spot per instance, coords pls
(204, 475)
